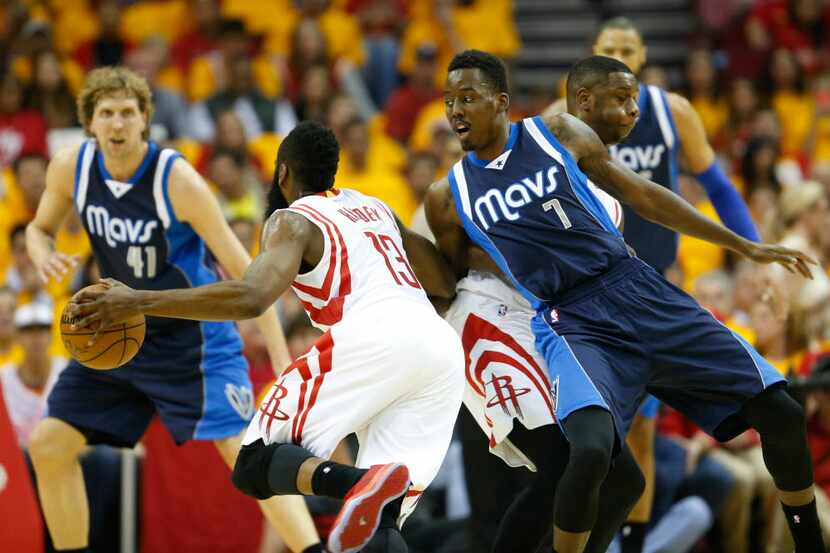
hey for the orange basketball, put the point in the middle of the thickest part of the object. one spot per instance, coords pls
(113, 347)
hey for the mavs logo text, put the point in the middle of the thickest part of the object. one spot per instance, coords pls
(640, 159)
(495, 204)
(115, 229)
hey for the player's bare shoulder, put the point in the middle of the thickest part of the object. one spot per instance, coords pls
(61, 170)
(284, 224)
(580, 139)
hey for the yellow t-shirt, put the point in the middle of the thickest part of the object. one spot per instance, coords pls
(697, 257)
(796, 113)
(201, 77)
(14, 355)
(487, 26)
(713, 113)
(388, 186)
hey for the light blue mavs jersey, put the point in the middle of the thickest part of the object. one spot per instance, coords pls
(651, 150)
(137, 239)
(531, 210)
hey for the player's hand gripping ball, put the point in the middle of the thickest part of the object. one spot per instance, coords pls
(91, 344)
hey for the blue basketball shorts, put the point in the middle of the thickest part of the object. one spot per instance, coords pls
(195, 378)
(629, 332)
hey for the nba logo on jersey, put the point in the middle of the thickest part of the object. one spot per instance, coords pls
(553, 316)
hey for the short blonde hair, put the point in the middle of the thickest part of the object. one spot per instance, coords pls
(108, 81)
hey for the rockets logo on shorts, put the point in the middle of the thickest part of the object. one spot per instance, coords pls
(505, 395)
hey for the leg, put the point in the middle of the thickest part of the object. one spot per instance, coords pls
(54, 448)
(620, 492)
(288, 515)
(640, 441)
(591, 436)
(527, 520)
(780, 422)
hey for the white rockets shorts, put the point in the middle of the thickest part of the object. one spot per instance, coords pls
(393, 374)
(506, 378)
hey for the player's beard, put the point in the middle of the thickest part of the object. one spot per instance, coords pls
(276, 200)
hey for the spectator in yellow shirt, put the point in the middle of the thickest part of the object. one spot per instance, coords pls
(371, 174)
(787, 89)
(10, 350)
(258, 113)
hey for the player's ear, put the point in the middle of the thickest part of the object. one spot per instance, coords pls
(503, 101)
(282, 174)
(584, 99)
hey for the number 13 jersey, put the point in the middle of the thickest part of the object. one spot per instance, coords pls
(363, 261)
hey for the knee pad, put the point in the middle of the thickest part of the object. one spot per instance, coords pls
(250, 473)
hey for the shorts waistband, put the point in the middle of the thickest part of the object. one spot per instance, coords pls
(604, 281)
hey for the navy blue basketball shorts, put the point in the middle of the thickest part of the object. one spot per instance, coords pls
(199, 392)
(630, 332)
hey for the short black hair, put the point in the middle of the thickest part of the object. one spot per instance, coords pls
(311, 153)
(491, 66)
(619, 24)
(593, 70)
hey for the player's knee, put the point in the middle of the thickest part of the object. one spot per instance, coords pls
(777, 416)
(54, 443)
(592, 459)
(250, 472)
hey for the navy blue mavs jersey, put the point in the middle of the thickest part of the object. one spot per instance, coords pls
(651, 150)
(192, 373)
(532, 211)
(610, 328)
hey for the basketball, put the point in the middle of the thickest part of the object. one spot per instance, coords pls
(113, 347)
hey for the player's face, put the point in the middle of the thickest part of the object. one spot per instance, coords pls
(471, 105)
(118, 124)
(622, 45)
(615, 109)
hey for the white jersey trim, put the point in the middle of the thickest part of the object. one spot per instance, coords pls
(661, 109)
(83, 178)
(158, 187)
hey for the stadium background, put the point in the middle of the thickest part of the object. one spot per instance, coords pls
(231, 77)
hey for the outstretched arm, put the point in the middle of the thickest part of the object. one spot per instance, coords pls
(656, 203)
(266, 279)
(195, 204)
(700, 157)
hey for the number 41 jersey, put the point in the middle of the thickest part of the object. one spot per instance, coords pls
(135, 235)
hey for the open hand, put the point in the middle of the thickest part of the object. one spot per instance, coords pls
(792, 260)
(101, 307)
(56, 266)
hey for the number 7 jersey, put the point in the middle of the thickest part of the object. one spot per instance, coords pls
(363, 261)
(534, 212)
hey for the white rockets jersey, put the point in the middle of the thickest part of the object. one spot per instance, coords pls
(363, 261)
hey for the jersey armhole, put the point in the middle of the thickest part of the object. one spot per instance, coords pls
(161, 187)
(83, 164)
(324, 230)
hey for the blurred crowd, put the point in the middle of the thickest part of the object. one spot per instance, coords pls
(230, 77)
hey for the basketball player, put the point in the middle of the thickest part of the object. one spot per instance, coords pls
(151, 220)
(509, 394)
(607, 324)
(668, 128)
(387, 367)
